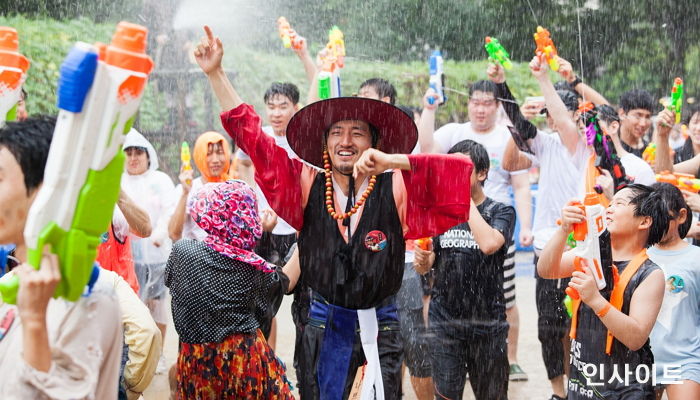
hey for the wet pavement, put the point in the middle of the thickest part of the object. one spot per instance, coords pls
(529, 353)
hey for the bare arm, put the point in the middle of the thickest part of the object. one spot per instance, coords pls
(514, 159)
(588, 93)
(556, 108)
(307, 61)
(523, 205)
(489, 239)
(633, 330)
(426, 125)
(293, 270)
(208, 55)
(554, 261)
(137, 218)
(688, 167)
(664, 160)
(246, 172)
(177, 221)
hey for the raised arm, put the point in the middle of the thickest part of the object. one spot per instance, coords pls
(555, 262)
(208, 54)
(137, 218)
(426, 125)
(568, 131)
(588, 93)
(523, 128)
(664, 160)
(306, 60)
(514, 159)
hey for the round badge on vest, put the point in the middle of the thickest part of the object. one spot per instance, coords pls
(375, 241)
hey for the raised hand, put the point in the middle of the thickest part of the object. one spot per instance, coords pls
(209, 52)
(538, 66)
(496, 73)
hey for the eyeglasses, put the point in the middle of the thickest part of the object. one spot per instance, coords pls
(637, 117)
(482, 102)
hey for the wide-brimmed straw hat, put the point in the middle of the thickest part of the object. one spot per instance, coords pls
(306, 130)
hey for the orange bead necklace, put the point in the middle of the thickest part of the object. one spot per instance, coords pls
(329, 192)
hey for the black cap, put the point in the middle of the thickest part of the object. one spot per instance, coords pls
(569, 98)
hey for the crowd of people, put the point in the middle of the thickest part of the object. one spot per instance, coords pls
(396, 240)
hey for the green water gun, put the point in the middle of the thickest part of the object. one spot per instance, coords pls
(497, 52)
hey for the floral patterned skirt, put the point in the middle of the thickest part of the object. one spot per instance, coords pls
(243, 366)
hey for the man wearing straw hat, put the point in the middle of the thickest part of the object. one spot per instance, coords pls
(354, 198)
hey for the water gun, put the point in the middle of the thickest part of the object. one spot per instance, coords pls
(545, 46)
(592, 242)
(437, 77)
(681, 181)
(289, 36)
(677, 99)
(497, 52)
(424, 243)
(568, 305)
(606, 155)
(185, 158)
(99, 91)
(13, 72)
(649, 154)
(332, 59)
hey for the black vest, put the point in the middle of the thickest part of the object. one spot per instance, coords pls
(351, 275)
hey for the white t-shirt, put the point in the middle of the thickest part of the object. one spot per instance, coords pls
(282, 227)
(638, 169)
(498, 180)
(561, 175)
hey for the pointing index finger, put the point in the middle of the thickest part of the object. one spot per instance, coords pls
(210, 34)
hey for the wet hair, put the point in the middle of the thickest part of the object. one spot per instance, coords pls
(286, 89)
(483, 86)
(674, 202)
(476, 151)
(648, 202)
(407, 109)
(688, 111)
(637, 99)
(564, 85)
(29, 142)
(23, 95)
(607, 114)
(383, 88)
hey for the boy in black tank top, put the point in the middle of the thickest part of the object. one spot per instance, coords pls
(610, 353)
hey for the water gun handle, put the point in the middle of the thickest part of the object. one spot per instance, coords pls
(571, 292)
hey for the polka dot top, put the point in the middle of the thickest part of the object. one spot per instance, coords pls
(214, 296)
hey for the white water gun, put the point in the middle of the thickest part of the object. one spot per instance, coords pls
(99, 92)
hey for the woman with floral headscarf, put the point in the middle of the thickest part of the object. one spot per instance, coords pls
(222, 295)
(211, 155)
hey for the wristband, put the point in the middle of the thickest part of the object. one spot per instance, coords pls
(604, 311)
(575, 82)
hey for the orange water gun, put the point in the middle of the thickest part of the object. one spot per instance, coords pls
(424, 243)
(13, 72)
(545, 47)
(289, 36)
(681, 181)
